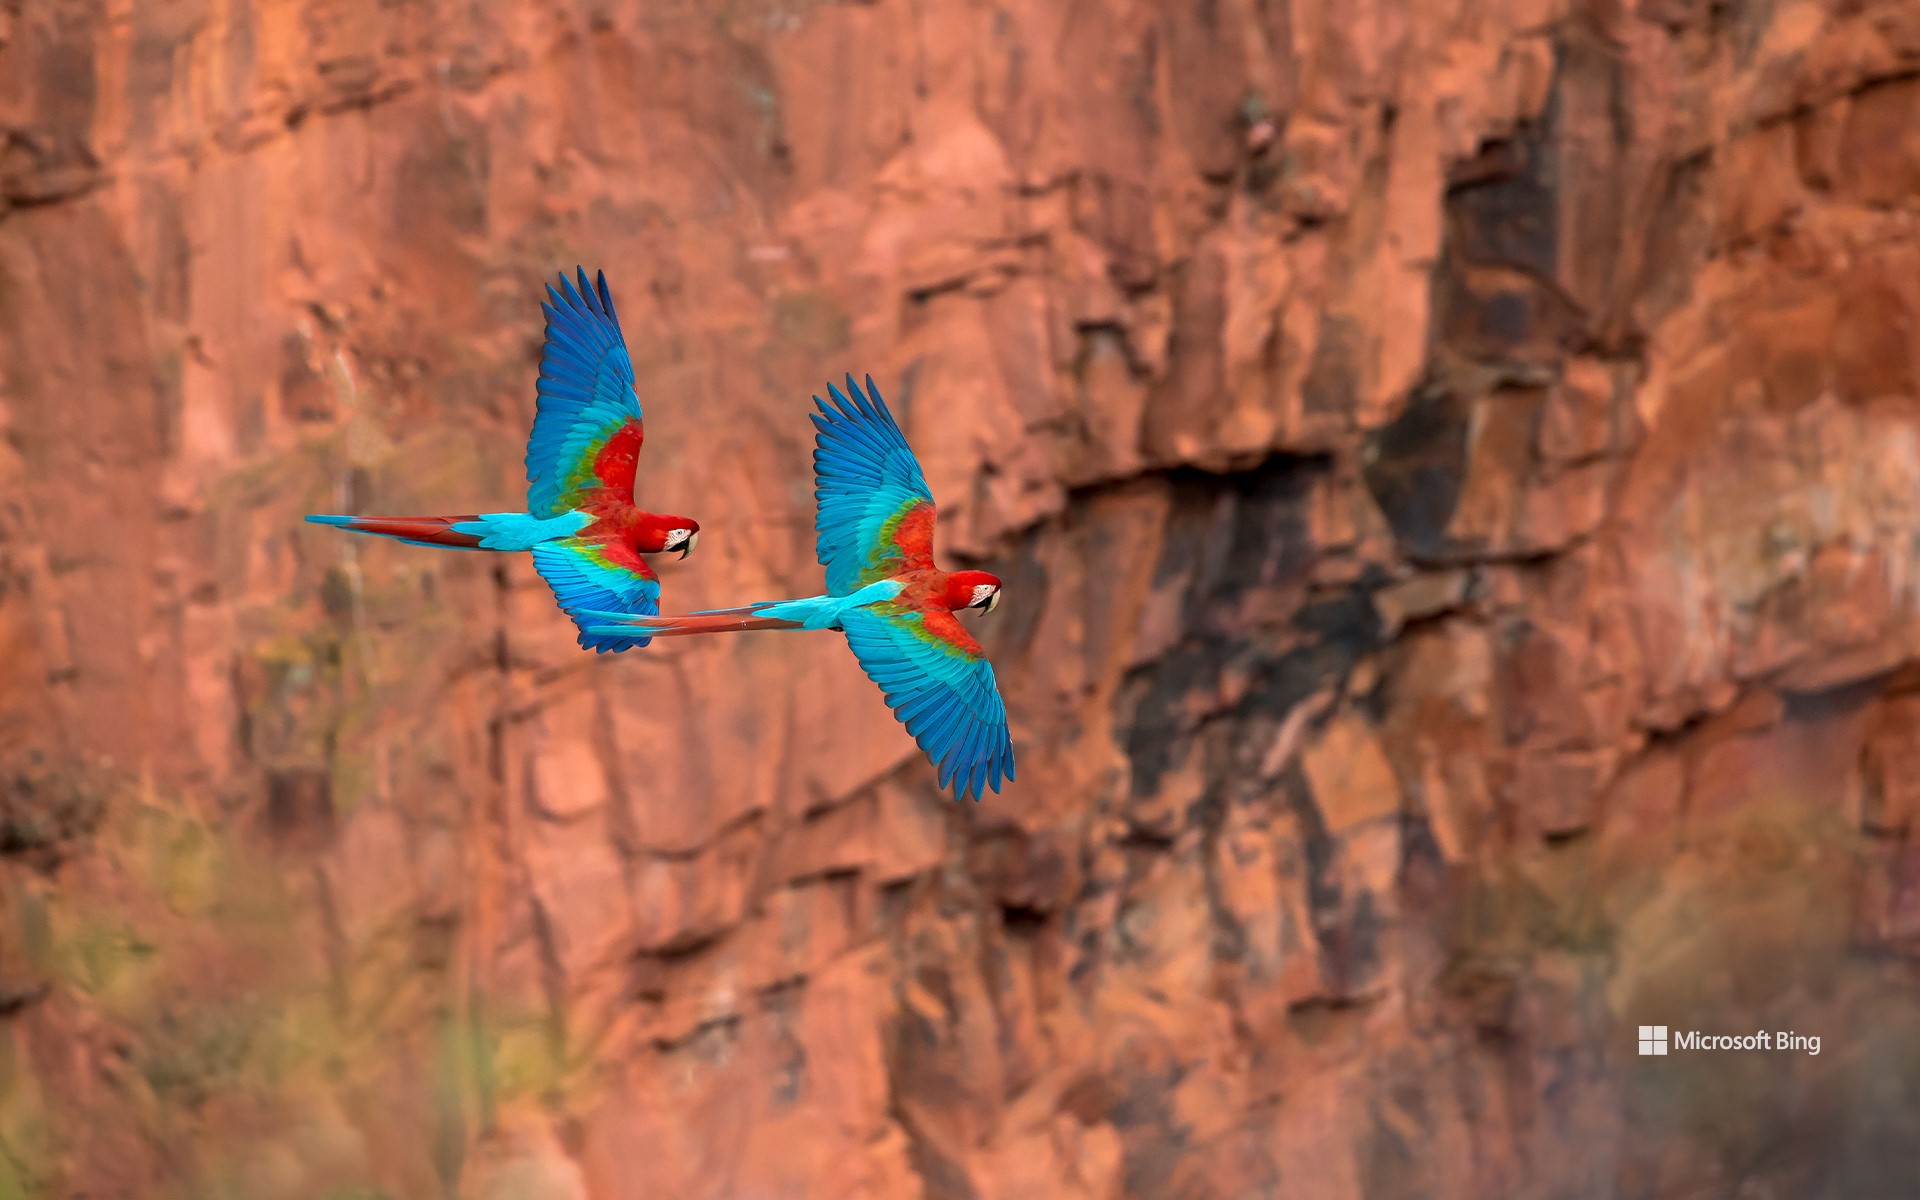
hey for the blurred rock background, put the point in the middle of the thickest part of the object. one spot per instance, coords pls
(1456, 469)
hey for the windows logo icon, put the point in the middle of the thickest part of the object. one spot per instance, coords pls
(1653, 1039)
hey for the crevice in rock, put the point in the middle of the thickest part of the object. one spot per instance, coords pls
(1023, 920)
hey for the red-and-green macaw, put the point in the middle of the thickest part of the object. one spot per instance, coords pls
(581, 523)
(874, 520)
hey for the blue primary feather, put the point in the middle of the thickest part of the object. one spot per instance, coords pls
(585, 392)
(865, 475)
(947, 699)
(584, 583)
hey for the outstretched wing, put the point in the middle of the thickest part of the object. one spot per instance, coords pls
(586, 429)
(589, 576)
(874, 515)
(940, 684)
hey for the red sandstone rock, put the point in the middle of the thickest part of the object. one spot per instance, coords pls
(1455, 481)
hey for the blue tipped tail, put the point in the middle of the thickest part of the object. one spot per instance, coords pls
(483, 531)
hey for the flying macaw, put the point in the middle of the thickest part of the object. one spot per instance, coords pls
(581, 523)
(874, 524)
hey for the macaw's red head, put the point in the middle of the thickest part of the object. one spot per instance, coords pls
(657, 533)
(973, 589)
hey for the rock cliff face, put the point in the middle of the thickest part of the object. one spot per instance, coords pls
(1456, 468)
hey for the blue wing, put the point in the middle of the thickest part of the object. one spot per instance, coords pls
(589, 576)
(874, 514)
(587, 428)
(940, 685)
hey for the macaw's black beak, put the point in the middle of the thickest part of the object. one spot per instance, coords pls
(688, 548)
(993, 602)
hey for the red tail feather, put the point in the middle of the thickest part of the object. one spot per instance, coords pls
(722, 622)
(419, 529)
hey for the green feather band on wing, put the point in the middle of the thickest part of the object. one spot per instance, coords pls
(868, 489)
(587, 429)
(941, 690)
(598, 576)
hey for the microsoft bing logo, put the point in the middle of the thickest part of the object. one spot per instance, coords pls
(1655, 1039)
